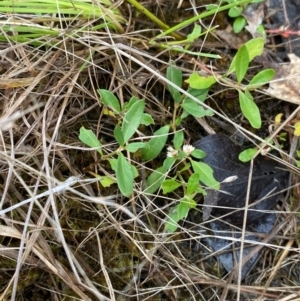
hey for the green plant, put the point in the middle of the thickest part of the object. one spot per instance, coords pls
(181, 40)
(176, 46)
(240, 21)
(202, 172)
(132, 116)
(239, 67)
(211, 10)
(250, 153)
(172, 174)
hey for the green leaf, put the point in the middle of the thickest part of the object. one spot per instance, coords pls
(193, 183)
(178, 139)
(134, 171)
(124, 176)
(171, 224)
(131, 102)
(134, 146)
(113, 164)
(155, 145)
(206, 174)
(261, 31)
(147, 119)
(200, 82)
(110, 100)
(169, 185)
(235, 11)
(195, 109)
(106, 181)
(198, 153)
(201, 190)
(261, 78)
(184, 206)
(155, 179)
(211, 6)
(241, 63)
(178, 121)
(178, 213)
(200, 94)
(238, 24)
(118, 135)
(181, 155)
(255, 47)
(194, 34)
(175, 76)
(168, 162)
(247, 154)
(90, 139)
(158, 176)
(250, 109)
(132, 119)
(190, 202)
(126, 106)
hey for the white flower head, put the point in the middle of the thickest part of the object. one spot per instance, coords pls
(188, 149)
(172, 152)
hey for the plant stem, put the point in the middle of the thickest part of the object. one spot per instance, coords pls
(201, 16)
(153, 18)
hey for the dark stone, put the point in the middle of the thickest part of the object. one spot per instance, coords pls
(268, 179)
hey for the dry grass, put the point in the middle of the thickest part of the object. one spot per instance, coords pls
(86, 242)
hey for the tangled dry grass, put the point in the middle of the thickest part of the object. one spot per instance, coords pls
(87, 242)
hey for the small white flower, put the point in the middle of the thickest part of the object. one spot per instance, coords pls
(188, 149)
(172, 152)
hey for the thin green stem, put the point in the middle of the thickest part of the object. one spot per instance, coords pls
(153, 18)
(201, 16)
